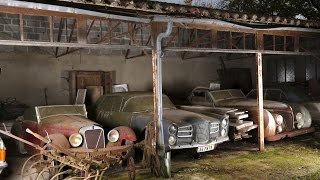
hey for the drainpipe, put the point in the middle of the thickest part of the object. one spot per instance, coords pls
(160, 140)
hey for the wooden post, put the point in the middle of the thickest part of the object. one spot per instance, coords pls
(260, 101)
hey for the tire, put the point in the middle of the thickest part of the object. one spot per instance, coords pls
(165, 165)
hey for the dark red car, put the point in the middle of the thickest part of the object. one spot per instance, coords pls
(69, 127)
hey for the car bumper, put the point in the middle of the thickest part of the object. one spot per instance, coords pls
(218, 140)
(290, 134)
(2, 166)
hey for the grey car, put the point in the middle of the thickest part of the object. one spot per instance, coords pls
(182, 129)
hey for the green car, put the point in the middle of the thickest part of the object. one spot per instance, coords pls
(182, 129)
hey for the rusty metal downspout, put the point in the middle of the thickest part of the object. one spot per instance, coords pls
(160, 139)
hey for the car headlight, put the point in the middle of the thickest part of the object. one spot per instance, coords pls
(172, 140)
(223, 132)
(173, 129)
(113, 136)
(75, 140)
(299, 116)
(279, 129)
(278, 118)
(300, 121)
(224, 123)
(299, 126)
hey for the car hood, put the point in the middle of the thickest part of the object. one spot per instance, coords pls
(244, 102)
(65, 124)
(181, 117)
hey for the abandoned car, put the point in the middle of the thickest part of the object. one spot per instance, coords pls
(182, 129)
(280, 119)
(295, 98)
(67, 126)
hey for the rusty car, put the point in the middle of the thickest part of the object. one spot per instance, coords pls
(69, 127)
(280, 119)
(296, 97)
(182, 129)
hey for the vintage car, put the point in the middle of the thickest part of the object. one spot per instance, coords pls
(182, 129)
(294, 97)
(67, 126)
(280, 119)
(3, 163)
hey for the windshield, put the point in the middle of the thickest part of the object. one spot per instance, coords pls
(227, 94)
(56, 110)
(145, 103)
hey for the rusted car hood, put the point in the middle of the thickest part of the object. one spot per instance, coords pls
(244, 102)
(65, 124)
(181, 117)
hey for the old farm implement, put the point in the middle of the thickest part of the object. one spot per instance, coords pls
(55, 162)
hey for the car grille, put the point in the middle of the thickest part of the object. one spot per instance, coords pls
(202, 131)
(214, 128)
(185, 131)
(94, 138)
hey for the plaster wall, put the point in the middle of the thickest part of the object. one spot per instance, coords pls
(27, 75)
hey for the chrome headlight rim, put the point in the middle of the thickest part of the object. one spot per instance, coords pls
(223, 132)
(224, 123)
(113, 136)
(172, 140)
(172, 129)
(75, 140)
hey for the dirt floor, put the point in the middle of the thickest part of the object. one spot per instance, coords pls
(294, 158)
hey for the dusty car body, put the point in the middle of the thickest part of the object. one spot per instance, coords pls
(67, 126)
(300, 101)
(182, 129)
(280, 120)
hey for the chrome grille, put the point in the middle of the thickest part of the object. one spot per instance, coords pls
(185, 131)
(214, 128)
(202, 132)
(94, 138)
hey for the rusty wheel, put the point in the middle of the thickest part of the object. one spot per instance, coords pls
(131, 168)
(155, 165)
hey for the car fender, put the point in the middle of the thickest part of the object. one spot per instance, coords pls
(126, 136)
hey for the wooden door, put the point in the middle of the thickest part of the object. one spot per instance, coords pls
(82, 79)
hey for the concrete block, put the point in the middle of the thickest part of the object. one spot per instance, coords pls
(13, 15)
(1, 27)
(11, 28)
(32, 36)
(32, 23)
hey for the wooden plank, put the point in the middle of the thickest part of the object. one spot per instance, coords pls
(260, 100)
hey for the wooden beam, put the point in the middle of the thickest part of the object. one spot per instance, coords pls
(82, 30)
(260, 101)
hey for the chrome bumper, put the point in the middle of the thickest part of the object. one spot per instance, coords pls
(3, 165)
(218, 140)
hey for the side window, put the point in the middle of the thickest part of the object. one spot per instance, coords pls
(198, 96)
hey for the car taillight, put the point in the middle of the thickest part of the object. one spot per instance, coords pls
(2, 151)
